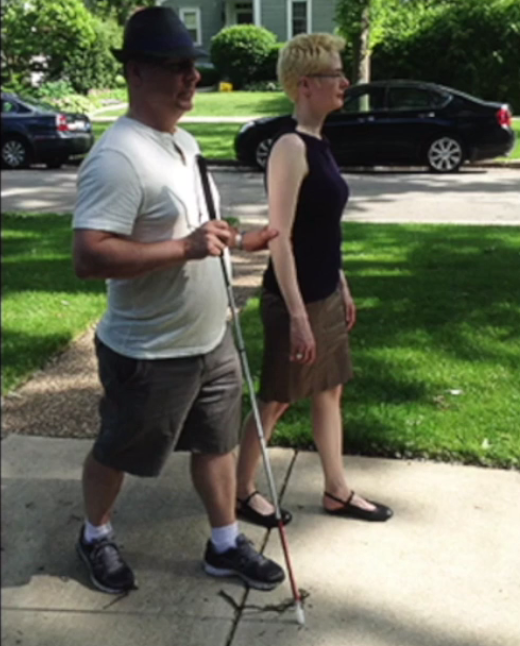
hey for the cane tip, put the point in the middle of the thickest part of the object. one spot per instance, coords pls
(300, 615)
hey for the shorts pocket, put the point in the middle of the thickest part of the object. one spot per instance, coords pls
(117, 370)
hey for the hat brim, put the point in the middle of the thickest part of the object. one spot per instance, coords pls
(123, 55)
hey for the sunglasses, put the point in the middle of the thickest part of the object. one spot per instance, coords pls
(186, 66)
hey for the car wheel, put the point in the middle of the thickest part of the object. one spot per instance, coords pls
(262, 152)
(445, 154)
(15, 153)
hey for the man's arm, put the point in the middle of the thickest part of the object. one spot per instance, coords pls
(101, 254)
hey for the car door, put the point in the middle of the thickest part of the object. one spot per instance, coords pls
(413, 120)
(354, 131)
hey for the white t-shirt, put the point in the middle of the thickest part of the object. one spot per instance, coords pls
(143, 184)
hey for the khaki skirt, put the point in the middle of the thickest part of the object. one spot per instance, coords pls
(283, 380)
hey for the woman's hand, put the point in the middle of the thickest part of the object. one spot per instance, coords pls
(350, 308)
(303, 345)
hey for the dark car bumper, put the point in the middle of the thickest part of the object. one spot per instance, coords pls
(49, 148)
(501, 146)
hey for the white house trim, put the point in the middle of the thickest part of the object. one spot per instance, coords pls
(257, 12)
(290, 17)
(196, 11)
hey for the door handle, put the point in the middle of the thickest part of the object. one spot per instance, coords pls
(427, 115)
(365, 119)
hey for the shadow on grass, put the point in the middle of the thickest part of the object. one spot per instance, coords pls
(438, 311)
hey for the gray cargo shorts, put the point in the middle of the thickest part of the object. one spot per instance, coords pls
(151, 407)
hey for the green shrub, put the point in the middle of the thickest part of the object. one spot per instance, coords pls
(267, 71)
(95, 66)
(240, 52)
(42, 35)
(52, 90)
(209, 75)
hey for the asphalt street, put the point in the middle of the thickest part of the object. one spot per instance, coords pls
(472, 196)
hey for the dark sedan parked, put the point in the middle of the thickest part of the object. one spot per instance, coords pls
(399, 123)
(33, 132)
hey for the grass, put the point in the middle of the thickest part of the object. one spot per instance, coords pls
(436, 348)
(232, 104)
(215, 139)
(44, 306)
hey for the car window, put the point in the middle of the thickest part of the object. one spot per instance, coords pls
(409, 98)
(36, 106)
(8, 107)
(365, 101)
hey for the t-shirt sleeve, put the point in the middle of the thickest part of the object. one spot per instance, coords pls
(109, 194)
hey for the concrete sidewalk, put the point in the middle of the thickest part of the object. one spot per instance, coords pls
(443, 572)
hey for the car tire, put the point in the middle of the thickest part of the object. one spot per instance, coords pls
(445, 154)
(16, 153)
(262, 150)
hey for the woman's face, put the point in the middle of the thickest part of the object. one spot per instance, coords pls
(326, 89)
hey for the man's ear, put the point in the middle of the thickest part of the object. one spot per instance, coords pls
(134, 72)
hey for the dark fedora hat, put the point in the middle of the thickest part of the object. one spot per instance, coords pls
(156, 32)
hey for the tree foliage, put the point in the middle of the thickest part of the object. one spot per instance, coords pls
(39, 36)
(62, 40)
(363, 24)
(118, 10)
(472, 45)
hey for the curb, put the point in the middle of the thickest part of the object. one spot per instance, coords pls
(235, 165)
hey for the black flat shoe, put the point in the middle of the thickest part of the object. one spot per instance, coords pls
(246, 512)
(379, 514)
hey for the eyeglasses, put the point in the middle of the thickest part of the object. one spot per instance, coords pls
(328, 75)
(178, 67)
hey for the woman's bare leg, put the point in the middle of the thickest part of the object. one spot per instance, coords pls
(250, 453)
(328, 437)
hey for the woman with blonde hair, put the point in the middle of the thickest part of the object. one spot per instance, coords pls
(306, 306)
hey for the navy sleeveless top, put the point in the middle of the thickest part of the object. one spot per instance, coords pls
(316, 233)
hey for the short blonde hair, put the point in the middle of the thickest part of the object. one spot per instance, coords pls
(305, 54)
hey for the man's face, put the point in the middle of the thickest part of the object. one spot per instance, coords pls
(166, 83)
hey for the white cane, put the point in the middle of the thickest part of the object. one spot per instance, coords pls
(203, 170)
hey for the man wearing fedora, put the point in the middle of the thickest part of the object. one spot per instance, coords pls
(167, 362)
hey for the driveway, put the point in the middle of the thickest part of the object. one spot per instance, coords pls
(473, 196)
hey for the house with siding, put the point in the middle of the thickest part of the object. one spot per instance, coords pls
(285, 18)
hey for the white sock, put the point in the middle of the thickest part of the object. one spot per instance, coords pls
(224, 538)
(92, 533)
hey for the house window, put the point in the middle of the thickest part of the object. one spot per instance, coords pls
(299, 17)
(191, 18)
(244, 13)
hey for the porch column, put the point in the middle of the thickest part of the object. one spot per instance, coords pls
(257, 12)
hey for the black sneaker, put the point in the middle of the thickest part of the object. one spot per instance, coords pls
(245, 562)
(108, 571)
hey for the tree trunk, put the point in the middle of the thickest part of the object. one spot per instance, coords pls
(361, 71)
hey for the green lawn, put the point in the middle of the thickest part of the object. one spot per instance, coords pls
(215, 139)
(232, 104)
(44, 306)
(436, 348)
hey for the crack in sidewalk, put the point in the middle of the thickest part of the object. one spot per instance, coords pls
(281, 607)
